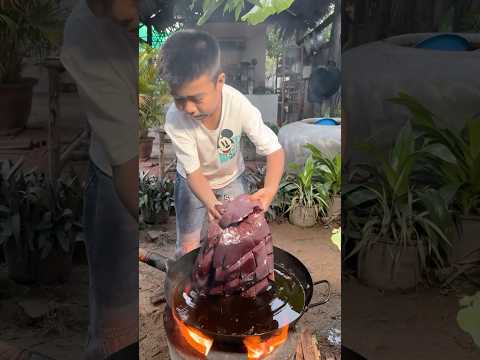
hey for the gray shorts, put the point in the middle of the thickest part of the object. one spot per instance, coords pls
(191, 214)
(111, 236)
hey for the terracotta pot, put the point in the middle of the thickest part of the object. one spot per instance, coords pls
(27, 267)
(466, 244)
(335, 208)
(377, 267)
(15, 105)
(303, 216)
(146, 146)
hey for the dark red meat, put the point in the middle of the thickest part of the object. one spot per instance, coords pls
(237, 256)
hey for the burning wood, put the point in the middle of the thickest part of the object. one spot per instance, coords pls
(258, 348)
(237, 256)
(194, 337)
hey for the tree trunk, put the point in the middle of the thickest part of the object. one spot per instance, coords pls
(335, 45)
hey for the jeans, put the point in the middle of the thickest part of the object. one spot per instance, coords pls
(111, 236)
(192, 215)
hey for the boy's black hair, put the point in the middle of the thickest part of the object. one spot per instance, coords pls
(187, 55)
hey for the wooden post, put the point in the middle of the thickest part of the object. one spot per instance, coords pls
(161, 155)
(149, 34)
(54, 113)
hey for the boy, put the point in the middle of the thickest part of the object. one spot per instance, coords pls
(205, 124)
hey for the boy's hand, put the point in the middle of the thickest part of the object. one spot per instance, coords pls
(213, 211)
(264, 196)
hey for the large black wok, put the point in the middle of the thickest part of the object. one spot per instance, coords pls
(178, 276)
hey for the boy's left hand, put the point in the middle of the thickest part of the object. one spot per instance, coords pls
(264, 196)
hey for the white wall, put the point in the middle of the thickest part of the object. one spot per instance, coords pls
(255, 40)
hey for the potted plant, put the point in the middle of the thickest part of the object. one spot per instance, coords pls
(150, 111)
(154, 97)
(27, 28)
(279, 206)
(37, 225)
(329, 171)
(399, 227)
(309, 199)
(453, 166)
(156, 199)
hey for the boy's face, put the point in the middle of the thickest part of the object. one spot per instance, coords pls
(199, 98)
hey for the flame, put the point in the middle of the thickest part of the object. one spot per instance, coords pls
(194, 337)
(258, 348)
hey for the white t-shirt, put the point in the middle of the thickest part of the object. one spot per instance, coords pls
(217, 152)
(102, 58)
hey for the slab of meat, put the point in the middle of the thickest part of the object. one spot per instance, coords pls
(237, 256)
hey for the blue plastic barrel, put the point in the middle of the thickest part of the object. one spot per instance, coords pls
(325, 121)
(445, 42)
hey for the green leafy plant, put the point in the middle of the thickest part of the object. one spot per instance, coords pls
(261, 10)
(38, 215)
(471, 23)
(468, 317)
(27, 28)
(304, 191)
(388, 206)
(156, 196)
(327, 170)
(152, 114)
(154, 92)
(453, 159)
(147, 69)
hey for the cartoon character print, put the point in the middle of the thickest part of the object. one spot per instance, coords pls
(227, 146)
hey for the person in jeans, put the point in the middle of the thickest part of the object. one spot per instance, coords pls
(100, 52)
(205, 123)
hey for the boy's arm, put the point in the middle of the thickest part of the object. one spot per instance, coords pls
(266, 144)
(201, 188)
(275, 167)
(187, 155)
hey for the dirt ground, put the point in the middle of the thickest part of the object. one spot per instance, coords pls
(50, 320)
(420, 325)
(311, 246)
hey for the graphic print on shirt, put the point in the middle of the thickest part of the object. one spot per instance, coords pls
(228, 145)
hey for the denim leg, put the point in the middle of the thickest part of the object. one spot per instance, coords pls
(232, 190)
(191, 217)
(111, 236)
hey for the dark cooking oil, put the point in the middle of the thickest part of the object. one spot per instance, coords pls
(279, 305)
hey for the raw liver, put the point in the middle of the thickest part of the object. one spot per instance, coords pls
(237, 255)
